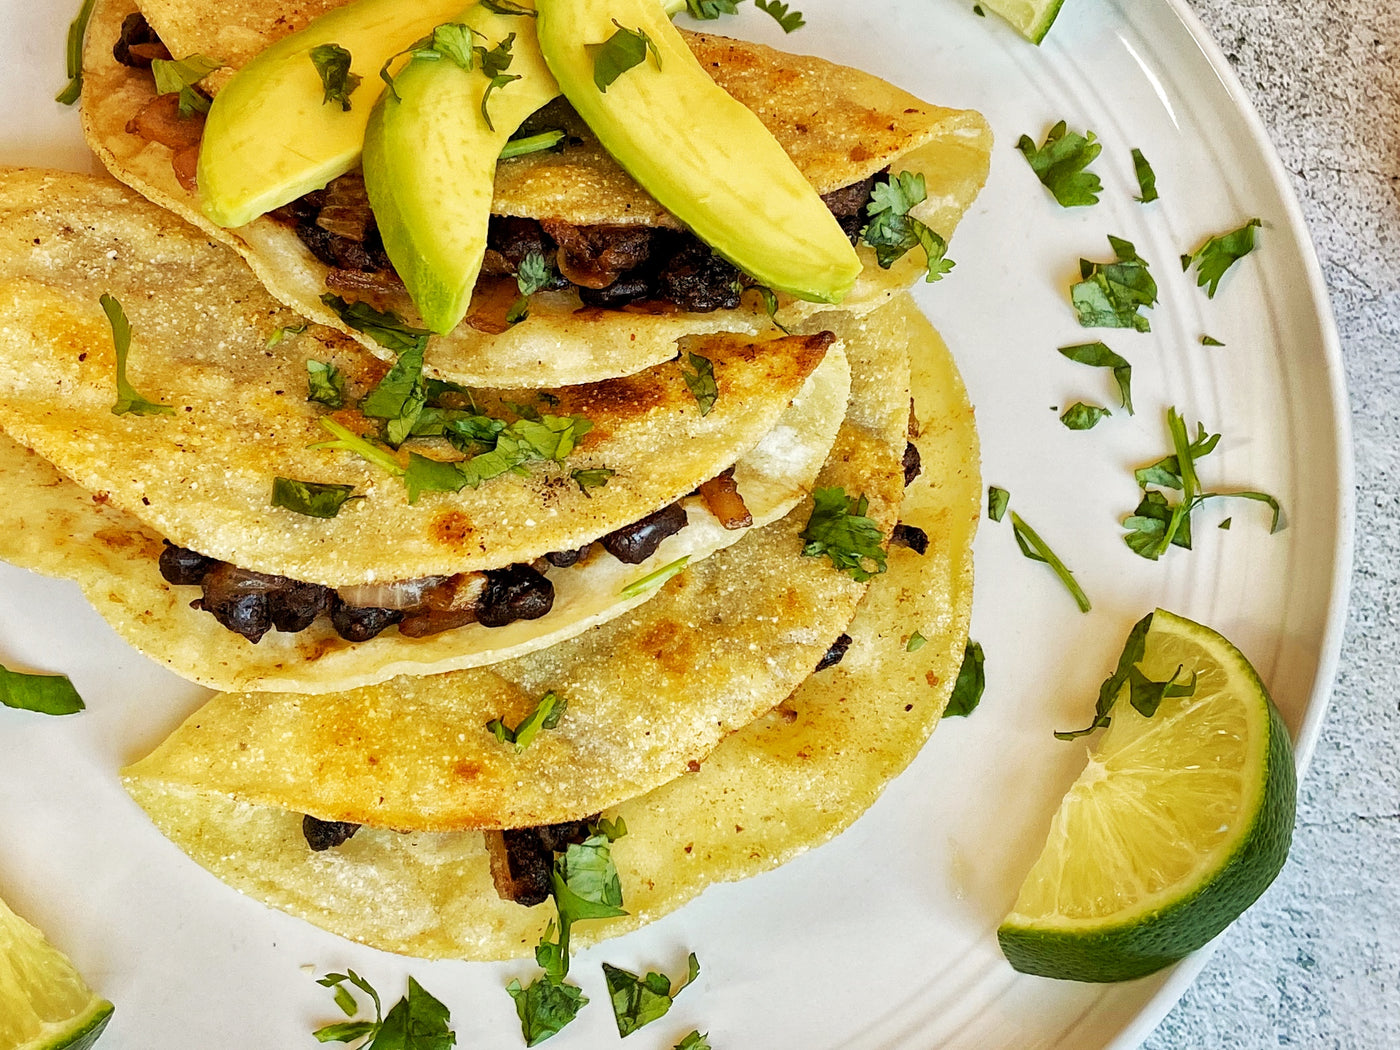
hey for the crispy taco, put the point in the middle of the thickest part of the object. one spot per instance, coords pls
(785, 782)
(556, 508)
(623, 278)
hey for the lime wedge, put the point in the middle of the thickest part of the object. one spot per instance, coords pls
(1031, 18)
(1176, 826)
(44, 1004)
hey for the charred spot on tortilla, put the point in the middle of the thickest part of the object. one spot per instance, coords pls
(835, 654)
(322, 835)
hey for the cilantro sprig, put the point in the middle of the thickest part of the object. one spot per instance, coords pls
(128, 400)
(1060, 165)
(180, 76)
(73, 55)
(45, 694)
(1110, 295)
(789, 20)
(1146, 179)
(534, 274)
(971, 683)
(1215, 257)
(1098, 355)
(892, 231)
(544, 715)
(699, 375)
(637, 1001)
(385, 327)
(840, 529)
(332, 64)
(1036, 549)
(625, 49)
(418, 1021)
(315, 499)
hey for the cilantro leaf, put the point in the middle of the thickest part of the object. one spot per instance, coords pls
(653, 580)
(399, 397)
(892, 231)
(1059, 165)
(1035, 548)
(1133, 649)
(1146, 695)
(997, 500)
(1219, 253)
(45, 694)
(586, 883)
(494, 63)
(313, 498)
(916, 642)
(418, 1021)
(624, 50)
(533, 275)
(531, 144)
(770, 304)
(1210, 340)
(1080, 416)
(637, 1001)
(839, 529)
(545, 715)
(325, 384)
(385, 327)
(612, 829)
(508, 7)
(128, 400)
(1098, 355)
(780, 14)
(971, 683)
(694, 1041)
(284, 332)
(180, 76)
(347, 440)
(332, 64)
(425, 474)
(1146, 179)
(699, 375)
(591, 478)
(545, 1007)
(1110, 294)
(709, 10)
(77, 29)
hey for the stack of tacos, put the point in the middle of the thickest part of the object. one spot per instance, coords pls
(387, 547)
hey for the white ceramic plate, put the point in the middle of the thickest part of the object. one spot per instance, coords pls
(884, 938)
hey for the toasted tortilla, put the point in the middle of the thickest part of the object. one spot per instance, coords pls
(202, 476)
(839, 124)
(786, 782)
(648, 693)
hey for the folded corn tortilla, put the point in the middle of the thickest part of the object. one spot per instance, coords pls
(202, 476)
(840, 125)
(785, 782)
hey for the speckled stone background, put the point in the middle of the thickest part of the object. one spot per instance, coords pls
(1316, 963)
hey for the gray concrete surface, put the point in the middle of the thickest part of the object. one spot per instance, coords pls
(1316, 963)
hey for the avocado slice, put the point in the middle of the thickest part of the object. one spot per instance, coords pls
(430, 160)
(701, 154)
(270, 138)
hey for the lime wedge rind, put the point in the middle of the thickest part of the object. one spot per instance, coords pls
(1031, 18)
(44, 1002)
(78, 1033)
(1161, 926)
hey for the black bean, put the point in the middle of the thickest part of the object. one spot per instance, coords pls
(697, 279)
(516, 592)
(356, 624)
(239, 599)
(530, 864)
(564, 559)
(913, 463)
(835, 654)
(326, 834)
(559, 837)
(628, 288)
(295, 606)
(911, 536)
(182, 566)
(635, 543)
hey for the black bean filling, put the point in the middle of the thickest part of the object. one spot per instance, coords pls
(516, 592)
(326, 834)
(530, 856)
(635, 543)
(137, 34)
(610, 266)
(835, 654)
(911, 536)
(913, 463)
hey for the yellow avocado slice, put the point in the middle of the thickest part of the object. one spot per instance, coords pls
(430, 161)
(702, 155)
(270, 137)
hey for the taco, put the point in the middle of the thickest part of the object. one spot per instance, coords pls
(628, 280)
(506, 563)
(787, 781)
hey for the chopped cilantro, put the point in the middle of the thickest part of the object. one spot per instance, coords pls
(892, 231)
(315, 499)
(971, 683)
(1036, 549)
(652, 580)
(591, 478)
(694, 1041)
(494, 63)
(779, 11)
(1219, 253)
(1059, 165)
(977, 10)
(916, 642)
(325, 384)
(332, 64)
(1225, 524)
(545, 715)
(45, 694)
(770, 304)
(637, 1001)
(1146, 179)
(624, 50)
(533, 275)
(997, 500)
(1143, 693)
(180, 76)
(612, 829)
(1099, 355)
(708, 10)
(128, 400)
(386, 328)
(1110, 294)
(425, 474)
(1158, 523)
(508, 7)
(531, 144)
(839, 529)
(77, 29)
(347, 440)
(284, 332)
(699, 375)
(1210, 340)
(416, 1022)
(399, 397)
(1080, 416)
(545, 1007)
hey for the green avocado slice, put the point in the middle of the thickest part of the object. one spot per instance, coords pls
(430, 160)
(270, 137)
(701, 154)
